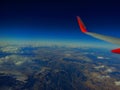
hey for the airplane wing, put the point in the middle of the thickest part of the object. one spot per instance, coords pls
(99, 36)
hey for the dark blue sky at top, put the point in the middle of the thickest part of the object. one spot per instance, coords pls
(57, 20)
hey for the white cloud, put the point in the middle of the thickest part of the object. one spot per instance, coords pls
(103, 76)
(10, 49)
(100, 57)
(16, 59)
(109, 70)
(98, 67)
(117, 83)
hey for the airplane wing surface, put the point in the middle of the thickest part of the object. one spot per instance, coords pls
(99, 36)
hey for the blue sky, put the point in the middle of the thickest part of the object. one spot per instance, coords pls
(57, 20)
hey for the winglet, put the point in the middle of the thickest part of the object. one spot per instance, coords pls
(81, 25)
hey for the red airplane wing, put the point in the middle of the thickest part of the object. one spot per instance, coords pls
(99, 36)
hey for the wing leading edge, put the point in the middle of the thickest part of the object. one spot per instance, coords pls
(99, 36)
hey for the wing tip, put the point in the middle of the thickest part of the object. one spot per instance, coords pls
(81, 24)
